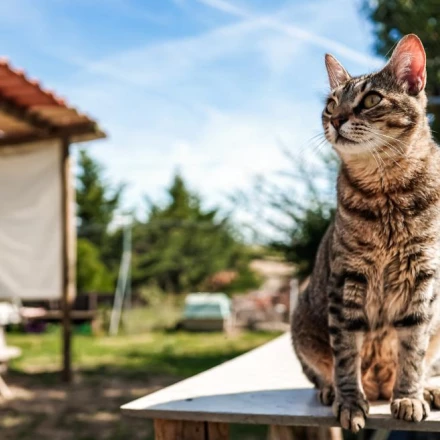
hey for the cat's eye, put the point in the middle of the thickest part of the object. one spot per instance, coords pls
(371, 100)
(331, 106)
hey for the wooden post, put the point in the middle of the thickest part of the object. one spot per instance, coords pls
(185, 430)
(69, 259)
(218, 431)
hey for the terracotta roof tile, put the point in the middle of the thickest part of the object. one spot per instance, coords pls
(27, 109)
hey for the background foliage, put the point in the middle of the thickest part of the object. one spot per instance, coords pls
(392, 19)
(176, 248)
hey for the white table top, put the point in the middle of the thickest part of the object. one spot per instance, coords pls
(264, 386)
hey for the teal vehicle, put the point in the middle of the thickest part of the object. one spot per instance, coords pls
(207, 311)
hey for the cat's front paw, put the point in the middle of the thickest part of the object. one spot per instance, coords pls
(326, 395)
(432, 396)
(351, 412)
(410, 409)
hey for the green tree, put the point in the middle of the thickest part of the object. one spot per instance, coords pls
(96, 200)
(98, 249)
(392, 19)
(181, 244)
(91, 273)
(294, 208)
(305, 237)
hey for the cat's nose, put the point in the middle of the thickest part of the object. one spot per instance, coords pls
(338, 121)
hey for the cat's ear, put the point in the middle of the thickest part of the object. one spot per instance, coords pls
(337, 75)
(408, 64)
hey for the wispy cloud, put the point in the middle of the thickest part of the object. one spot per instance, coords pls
(224, 6)
(213, 104)
(212, 96)
(296, 32)
(173, 59)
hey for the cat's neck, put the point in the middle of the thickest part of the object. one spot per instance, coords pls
(392, 169)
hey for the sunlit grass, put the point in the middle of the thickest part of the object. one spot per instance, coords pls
(178, 354)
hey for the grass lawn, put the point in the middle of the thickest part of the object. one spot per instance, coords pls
(178, 354)
(110, 371)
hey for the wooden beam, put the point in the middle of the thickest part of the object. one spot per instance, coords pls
(20, 113)
(44, 128)
(75, 315)
(69, 258)
(85, 129)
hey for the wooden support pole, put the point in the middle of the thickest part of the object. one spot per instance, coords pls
(69, 258)
(185, 430)
(218, 431)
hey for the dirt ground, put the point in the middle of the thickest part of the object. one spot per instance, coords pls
(110, 371)
(86, 410)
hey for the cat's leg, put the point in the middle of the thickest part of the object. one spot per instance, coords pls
(432, 363)
(408, 400)
(312, 346)
(326, 391)
(347, 324)
(432, 396)
(417, 342)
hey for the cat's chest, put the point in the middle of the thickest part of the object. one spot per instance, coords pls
(391, 292)
(384, 302)
(392, 279)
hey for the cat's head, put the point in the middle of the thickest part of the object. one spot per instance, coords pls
(380, 111)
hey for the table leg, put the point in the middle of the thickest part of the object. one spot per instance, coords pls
(218, 431)
(277, 432)
(185, 430)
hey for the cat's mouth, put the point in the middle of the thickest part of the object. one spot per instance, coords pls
(343, 140)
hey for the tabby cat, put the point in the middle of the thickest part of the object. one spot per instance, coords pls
(368, 325)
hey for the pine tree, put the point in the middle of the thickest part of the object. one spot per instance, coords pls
(96, 200)
(293, 209)
(181, 244)
(91, 273)
(96, 248)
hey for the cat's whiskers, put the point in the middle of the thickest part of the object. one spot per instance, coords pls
(377, 136)
(375, 156)
(383, 135)
(382, 149)
(399, 141)
(383, 138)
(315, 142)
(379, 159)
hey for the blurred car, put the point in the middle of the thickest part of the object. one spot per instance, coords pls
(207, 312)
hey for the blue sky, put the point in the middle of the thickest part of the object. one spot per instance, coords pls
(209, 87)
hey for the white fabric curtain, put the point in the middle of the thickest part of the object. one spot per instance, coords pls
(31, 222)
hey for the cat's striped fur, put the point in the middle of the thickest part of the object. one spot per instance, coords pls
(368, 324)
